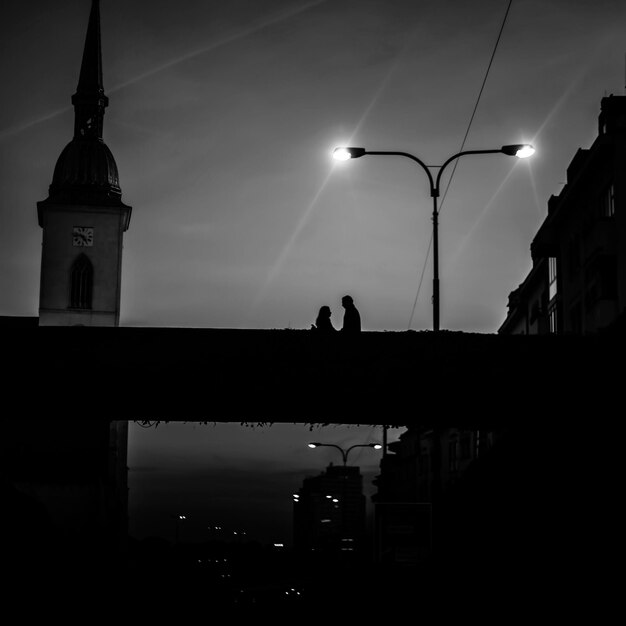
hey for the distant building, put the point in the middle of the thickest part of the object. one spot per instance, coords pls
(329, 513)
(577, 283)
(424, 462)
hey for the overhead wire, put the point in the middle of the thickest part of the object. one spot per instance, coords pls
(469, 126)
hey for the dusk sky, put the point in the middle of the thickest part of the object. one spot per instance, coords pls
(241, 478)
(222, 120)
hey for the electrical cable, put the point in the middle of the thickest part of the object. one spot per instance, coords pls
(443, 199)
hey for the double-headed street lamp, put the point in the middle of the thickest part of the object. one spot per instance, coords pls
(520, 150)
(344, 453)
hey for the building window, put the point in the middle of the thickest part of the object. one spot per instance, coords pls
(608, 277)
(607, 202)
(574, 255)
(576, 318)
(452, 455)
(553, 318)
(552, 277)
(465, 447)
(81, 283)
(603, 280)
(535, 311)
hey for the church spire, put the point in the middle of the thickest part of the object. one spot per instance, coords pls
(89, 100)
(86, 172)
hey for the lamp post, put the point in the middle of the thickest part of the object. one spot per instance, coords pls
(519, 150)
(344, 453)
(341, 502)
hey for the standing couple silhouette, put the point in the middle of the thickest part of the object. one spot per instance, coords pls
(351, 318)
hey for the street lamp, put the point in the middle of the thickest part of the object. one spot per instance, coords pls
(520, 150)
(344, 453)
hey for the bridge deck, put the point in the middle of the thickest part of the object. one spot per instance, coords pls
(394, 378)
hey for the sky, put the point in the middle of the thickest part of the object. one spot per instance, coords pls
(241, 478)
(222, 119)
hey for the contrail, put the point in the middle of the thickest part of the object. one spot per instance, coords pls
(481, 215)
(282, 257)
(10, 132)
(276, 19)
(287, 248)
(246, 32)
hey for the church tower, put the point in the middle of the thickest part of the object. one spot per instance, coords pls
(84, 219)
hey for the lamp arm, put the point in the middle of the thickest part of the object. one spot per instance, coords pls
(454, 157)
(413, 158)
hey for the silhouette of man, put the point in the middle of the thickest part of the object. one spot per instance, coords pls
(351, 318)
(323, 322)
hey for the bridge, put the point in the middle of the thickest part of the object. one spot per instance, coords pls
(299, 376)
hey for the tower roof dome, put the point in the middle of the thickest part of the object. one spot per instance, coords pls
(86, 172)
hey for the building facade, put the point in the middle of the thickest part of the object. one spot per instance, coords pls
(577, 284)
(425, 462)
(329, 513)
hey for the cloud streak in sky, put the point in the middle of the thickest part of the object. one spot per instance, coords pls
(228, 39)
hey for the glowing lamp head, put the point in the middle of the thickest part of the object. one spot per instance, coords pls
(525, 152)
(345, 154)
(312, 445)
(520, 150)
(341, 154)
(376, 446)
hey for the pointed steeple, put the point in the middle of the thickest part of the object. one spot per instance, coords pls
(89, 100)
(86, 172)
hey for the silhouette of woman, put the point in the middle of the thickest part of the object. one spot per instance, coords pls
(323, 322)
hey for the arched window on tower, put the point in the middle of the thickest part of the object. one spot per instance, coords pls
(81, 283)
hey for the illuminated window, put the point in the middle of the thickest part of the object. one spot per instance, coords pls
(607, 202)
(553, 318)
(81, 283)
(552, 276)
